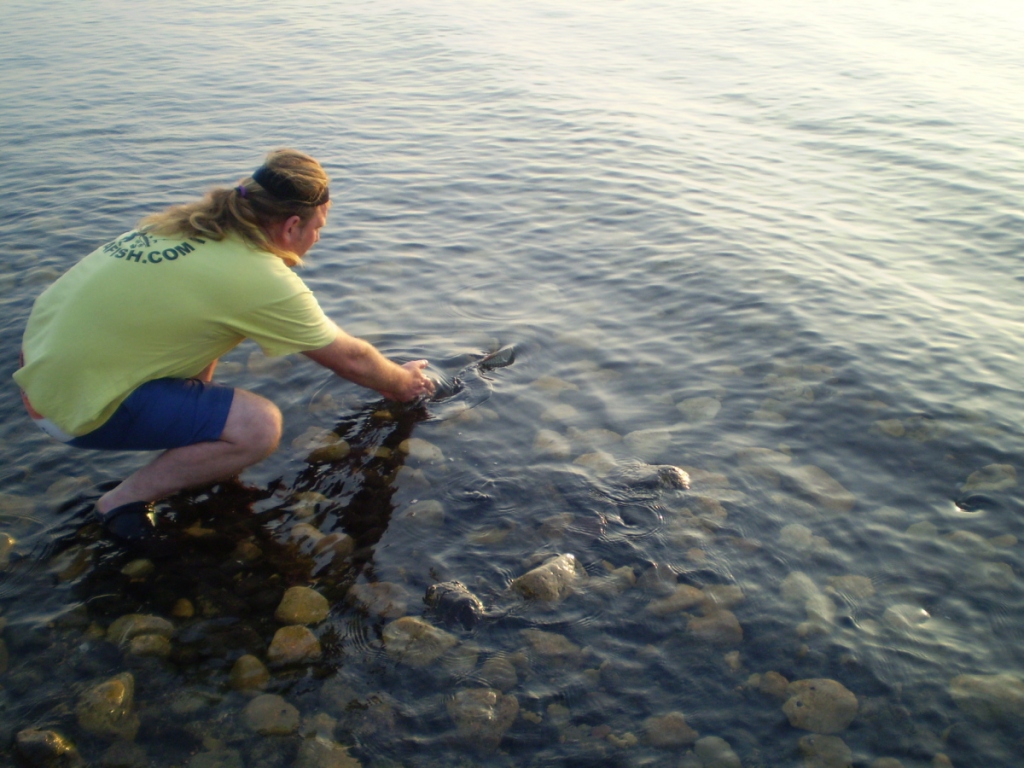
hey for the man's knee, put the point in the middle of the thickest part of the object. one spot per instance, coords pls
(254, 423)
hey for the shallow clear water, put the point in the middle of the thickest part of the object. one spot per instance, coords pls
(705, 228)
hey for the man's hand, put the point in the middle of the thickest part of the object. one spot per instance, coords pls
(359, 362)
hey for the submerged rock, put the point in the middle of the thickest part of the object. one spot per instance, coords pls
(669, 731)
(549, 443)
(989, 698)
(819, 486)
(139, 569)
(381, 598)
(150, 645)
(553, 581)
(453, 603)
(482, 716)
(322, 752)
(294, 644)
(271, 715)
(106, 710)
(715, 752)
(855, 587)
(719, 627)
(994, 477)
(135, 624)
(773, 684)
(615, 582)
(428, 512)
(47, 749)
(421, 450)
(126, 754)
(221, 758)
(820, 705)
(700, 409)
(498, 672)
(598, 462)
(416, 643)
(825, 752)
(905, 617)
(552, 648)
(648, 444)
(302, 605)
(248, 673)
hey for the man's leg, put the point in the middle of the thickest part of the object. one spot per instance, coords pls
(251, 433)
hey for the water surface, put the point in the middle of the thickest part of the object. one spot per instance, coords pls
(709, 229)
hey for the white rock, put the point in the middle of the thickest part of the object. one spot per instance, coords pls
(552, 581)
(421, 450)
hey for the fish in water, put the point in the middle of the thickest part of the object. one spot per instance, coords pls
(453, 603)
(469, 387)
(501, 358)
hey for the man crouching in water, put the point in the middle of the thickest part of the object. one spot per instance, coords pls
(119, 353)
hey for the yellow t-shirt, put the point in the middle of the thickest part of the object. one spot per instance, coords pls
(145, 307)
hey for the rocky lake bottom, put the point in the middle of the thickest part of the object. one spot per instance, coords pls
(628, 611)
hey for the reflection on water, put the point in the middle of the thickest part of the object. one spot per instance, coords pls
(758, 265)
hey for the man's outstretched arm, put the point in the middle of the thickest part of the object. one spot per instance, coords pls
(361, 363)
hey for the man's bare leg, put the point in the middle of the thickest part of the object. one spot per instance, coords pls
(252, 432)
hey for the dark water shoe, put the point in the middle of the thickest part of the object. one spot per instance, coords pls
(132, 522)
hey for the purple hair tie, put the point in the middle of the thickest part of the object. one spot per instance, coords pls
(242, 191)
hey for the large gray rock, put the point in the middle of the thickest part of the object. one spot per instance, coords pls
(481, 717)
(820, 705)
(552, 581)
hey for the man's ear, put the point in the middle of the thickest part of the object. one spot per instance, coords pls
(292, 229)
(283, 234)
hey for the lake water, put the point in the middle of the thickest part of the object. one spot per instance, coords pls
(776, 244)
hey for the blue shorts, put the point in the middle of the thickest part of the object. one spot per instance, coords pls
(161, 414)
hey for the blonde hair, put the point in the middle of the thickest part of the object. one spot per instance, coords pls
(249, 208)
